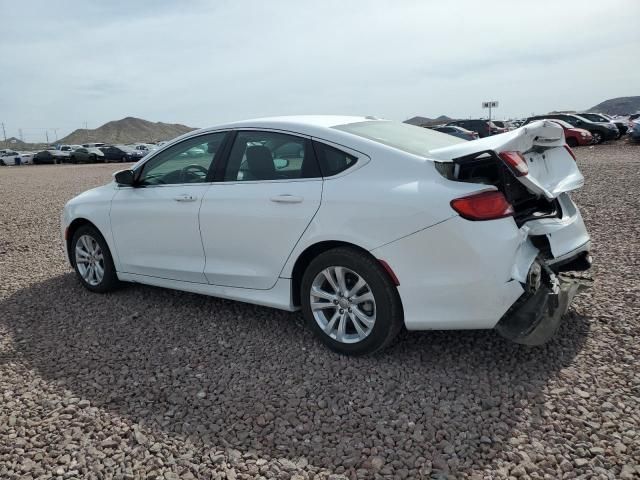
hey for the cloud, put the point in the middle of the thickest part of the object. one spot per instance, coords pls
(201, 62)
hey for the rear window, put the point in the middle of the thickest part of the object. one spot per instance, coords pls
(405, 137)
(332, 161)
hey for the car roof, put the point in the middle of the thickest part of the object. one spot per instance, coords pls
(318, 126)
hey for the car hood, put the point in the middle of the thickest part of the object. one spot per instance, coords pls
(103, 192)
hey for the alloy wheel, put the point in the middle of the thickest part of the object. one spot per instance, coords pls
(597, 138)
(343, 304)
(89, 260)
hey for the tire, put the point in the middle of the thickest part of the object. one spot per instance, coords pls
(597, 138)
(572, 142)
(88, 237)
(357, 337)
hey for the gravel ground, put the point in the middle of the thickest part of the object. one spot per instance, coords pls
(150, 383)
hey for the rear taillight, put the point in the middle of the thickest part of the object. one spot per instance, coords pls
(573, 155)
(516, 163)
(483, 206)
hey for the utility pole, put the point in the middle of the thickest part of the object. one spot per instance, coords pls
(55, 130)
(86, 132)
(46, 132)
(5, 135)
(20, 135)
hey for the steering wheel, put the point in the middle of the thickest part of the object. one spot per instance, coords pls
(190, 170)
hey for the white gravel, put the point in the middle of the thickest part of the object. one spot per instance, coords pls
(150, 383)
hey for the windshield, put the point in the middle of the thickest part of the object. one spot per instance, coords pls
(408, 138)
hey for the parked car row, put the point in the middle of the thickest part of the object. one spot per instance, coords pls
(93, 153)
(579, 129)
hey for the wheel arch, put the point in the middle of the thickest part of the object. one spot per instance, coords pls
(72, 229)
(312, 251)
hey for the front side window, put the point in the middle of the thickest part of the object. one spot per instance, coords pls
(257, 155)
(186, 162)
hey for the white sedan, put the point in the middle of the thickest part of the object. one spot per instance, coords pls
(366, 225)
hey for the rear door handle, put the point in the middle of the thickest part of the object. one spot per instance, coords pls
(185, 198)
(286, 198)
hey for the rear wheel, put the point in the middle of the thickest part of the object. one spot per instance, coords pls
(92, 260)
(350, 303)
(572, 142)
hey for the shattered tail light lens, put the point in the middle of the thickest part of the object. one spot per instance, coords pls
(487, 205)
(573, 155)
(516, 163)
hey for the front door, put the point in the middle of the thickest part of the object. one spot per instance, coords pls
(252, 219)
(155, 223)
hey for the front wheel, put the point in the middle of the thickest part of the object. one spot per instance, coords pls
(350, 302)
(596, 138)
(92, 260)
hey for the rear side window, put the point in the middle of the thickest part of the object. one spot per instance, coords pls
(332, 161)
(263, 155)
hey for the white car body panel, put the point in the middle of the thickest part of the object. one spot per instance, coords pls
(250, 228)
(93, 206)
(436, 264)
(27, 158)
(234, 242)
(157, 235)
(279, 296)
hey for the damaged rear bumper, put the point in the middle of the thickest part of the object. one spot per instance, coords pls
(536, 316)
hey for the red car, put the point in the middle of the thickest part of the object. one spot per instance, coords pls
(574, 136)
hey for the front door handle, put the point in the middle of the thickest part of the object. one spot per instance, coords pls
(286, 198)
(185, 198)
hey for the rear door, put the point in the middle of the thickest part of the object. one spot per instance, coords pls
(251, 220)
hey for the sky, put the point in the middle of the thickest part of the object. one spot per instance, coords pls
(200, 62)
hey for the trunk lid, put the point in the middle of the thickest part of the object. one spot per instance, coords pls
(552, 169)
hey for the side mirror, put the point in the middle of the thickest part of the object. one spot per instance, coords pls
(280, 163)
(124, 177)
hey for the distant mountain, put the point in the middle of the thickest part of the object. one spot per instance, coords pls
(14, 143)
(417, 120)
(618, 106)
(127, 130)
(427, 121)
